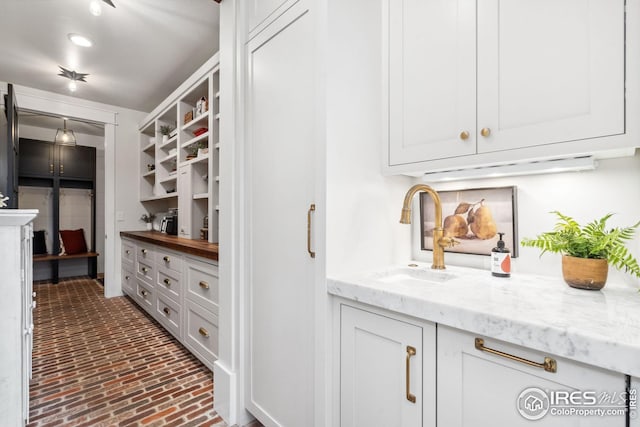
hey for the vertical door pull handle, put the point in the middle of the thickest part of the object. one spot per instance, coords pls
(312, 208)
(411, 351)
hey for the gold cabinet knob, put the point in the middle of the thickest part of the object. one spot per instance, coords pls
(464, 135)
(485, 132)
(204, 285)
(166, 259)
(203, 332)
(144, 251)
(166, 311)
(127, 278)
(145, 269)
(144, 293)
(167, 282)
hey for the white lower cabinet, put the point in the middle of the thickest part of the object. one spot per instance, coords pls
(387, 370)
(201, 310)
(179, 291)
(479, 388)
(388, 377)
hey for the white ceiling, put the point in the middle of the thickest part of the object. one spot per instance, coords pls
(143, 49)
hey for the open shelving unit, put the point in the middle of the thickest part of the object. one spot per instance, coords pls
(181, 170)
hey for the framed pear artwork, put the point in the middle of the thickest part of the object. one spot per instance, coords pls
(473, 217)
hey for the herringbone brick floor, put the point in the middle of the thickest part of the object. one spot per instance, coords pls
(103, 362)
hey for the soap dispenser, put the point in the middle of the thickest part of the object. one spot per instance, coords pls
(501, 259)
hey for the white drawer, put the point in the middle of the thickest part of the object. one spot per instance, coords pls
(129, 282)
(128, 253)
(145, 272)
(145, 296)
(168, 314)
(201, 333)
(145, 253)
(169, 283)
(168, 259)
(202, 284)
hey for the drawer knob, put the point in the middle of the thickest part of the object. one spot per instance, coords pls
(166, 259)
(144, 251)
(144, 293)
(204, 285)
(166, 310)
(127, 278)
(127, 251)
(485, 132)
(167, 282)
(145, 269)
(464, 135)
(203, 332)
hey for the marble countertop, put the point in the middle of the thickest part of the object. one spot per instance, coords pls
(601, 328)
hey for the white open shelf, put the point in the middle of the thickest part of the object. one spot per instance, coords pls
(196, 139)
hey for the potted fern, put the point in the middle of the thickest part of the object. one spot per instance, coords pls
(588, 250)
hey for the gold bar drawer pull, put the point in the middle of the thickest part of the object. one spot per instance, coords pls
(204, 285)
(411, 351)
(166, 311)
(549, 364)
(167, 282)
(203, 332)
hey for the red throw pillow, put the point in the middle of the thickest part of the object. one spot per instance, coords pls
(73, 241)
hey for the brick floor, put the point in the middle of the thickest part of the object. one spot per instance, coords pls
(104, 362)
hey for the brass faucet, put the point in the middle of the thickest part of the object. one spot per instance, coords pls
(439, 241)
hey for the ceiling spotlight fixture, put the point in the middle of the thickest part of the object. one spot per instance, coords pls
(79, 40)
(65, 136)
(73, 76)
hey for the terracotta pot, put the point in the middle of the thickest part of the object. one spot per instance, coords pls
(584, 273)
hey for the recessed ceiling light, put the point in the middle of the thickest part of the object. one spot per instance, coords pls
(79, 40)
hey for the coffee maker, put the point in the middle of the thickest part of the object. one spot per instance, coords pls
(169, 224)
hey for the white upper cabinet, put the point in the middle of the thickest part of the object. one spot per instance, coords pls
(432, 79)
(549, 71)
(473, 84)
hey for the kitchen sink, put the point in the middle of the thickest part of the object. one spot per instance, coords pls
(414, 276)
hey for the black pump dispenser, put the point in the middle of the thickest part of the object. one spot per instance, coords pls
(501, 259)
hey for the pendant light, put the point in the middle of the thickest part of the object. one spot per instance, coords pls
(65, 136)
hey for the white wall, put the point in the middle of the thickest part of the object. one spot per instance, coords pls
(585, 196)
(363, 207)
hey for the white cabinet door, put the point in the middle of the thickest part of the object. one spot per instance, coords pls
(550, 71)
(382, 361)
(184, 202)
(280, 181)
(262, 12)
(432, 78)
(478, 389)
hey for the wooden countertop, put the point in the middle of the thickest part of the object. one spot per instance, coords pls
(200, 248)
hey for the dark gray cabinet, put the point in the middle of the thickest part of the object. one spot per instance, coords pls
(36, 159)
(45, 164)
(41, 159)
